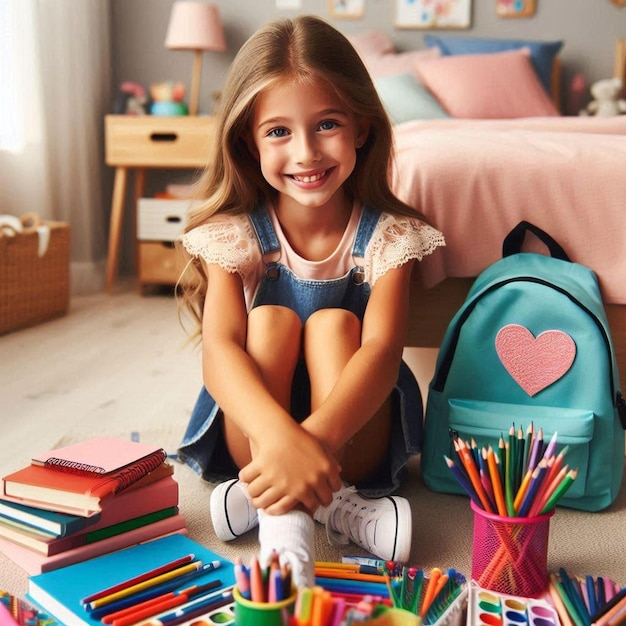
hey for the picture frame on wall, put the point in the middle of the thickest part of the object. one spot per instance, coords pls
(346, 9)
(515, 8)
(433, 14)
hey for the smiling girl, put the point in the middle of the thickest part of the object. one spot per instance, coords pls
(302, 258)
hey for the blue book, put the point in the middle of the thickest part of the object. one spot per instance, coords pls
(61, 591)
(57, 524)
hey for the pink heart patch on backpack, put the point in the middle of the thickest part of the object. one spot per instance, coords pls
(534, 362)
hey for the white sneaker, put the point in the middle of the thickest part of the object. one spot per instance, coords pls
(232, 512)
(382, 526)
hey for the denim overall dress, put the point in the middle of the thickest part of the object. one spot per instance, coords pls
(203, 447)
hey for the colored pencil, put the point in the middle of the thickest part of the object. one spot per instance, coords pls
(257, 588)
(530, 435)
(559, 605)
(572, 610)
(462, 479)
(109, 618)
(508, 481)
(535, 482)
(472, 472)
(565, 484)
(140, 612)
(162, 569)
(608, 606)
(146, 584)
(147, 594)
(537, 451)
(550, 448)
(496, 483)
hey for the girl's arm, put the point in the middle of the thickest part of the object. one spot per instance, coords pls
(278, 444)
(372, 372)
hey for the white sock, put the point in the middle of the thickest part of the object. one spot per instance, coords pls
(292, 537)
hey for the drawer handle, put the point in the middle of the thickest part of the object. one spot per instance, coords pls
(164, 137)
(173, 219)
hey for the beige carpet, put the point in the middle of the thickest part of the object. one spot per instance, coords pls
(118, 364)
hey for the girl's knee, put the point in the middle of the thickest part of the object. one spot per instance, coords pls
(338, 322)
(270, 320)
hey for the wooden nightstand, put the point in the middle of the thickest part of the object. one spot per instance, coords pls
(139, 143)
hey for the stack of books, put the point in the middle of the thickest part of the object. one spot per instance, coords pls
(84, 500)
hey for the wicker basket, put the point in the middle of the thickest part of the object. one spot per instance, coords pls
(33, 288)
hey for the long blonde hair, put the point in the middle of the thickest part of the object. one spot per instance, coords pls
(309, 50)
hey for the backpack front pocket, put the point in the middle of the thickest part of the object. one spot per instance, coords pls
(488, 422)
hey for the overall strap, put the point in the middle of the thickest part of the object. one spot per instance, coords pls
(264, 230)
(367, 225)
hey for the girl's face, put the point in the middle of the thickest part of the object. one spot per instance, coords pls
(306, 143)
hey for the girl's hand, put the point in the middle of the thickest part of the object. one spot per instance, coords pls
(290, 468)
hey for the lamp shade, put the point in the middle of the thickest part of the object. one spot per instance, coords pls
(195, 26)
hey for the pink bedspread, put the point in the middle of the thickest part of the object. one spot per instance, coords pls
(476, 179)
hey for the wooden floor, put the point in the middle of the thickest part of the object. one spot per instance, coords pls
(118, 360)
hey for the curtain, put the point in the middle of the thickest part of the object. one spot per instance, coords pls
(55, 77)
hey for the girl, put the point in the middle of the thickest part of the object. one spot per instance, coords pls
(303, 258)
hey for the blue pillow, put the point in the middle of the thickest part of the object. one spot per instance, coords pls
(542, 53)
(405, 99)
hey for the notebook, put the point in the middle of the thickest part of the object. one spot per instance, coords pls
(99, 455)
(60, 592)
(79, 493)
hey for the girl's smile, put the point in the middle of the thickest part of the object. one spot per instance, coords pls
(305, 140)
(310, 179)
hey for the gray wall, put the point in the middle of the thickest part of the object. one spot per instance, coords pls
(588, 28)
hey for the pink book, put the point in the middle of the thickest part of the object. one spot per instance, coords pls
(34, 563)
(99, 455)
(156, 496)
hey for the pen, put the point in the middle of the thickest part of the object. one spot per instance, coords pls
(162, 569)
(152, 607)
(202, 604)
(145, 584)
(151, 592)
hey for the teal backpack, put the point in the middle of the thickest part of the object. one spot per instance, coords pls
(530, 344)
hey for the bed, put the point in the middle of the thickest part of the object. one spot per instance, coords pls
(475, 180)
(481, 146)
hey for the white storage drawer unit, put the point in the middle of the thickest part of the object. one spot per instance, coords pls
(161, 220)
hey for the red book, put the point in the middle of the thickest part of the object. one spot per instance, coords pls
(164, 470)
(63, 491)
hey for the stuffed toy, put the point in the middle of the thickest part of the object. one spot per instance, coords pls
(606, 98)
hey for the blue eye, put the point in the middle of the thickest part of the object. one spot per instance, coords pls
(278, 132)
(328, 125)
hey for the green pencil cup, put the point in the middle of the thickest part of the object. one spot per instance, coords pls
(249, 613)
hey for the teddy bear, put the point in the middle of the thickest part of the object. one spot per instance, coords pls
(606, 100)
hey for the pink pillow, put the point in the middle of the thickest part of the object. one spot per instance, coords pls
(373, 43)
(499, 85)
(394, 64)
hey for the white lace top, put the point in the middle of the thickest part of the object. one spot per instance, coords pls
(230, 242)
